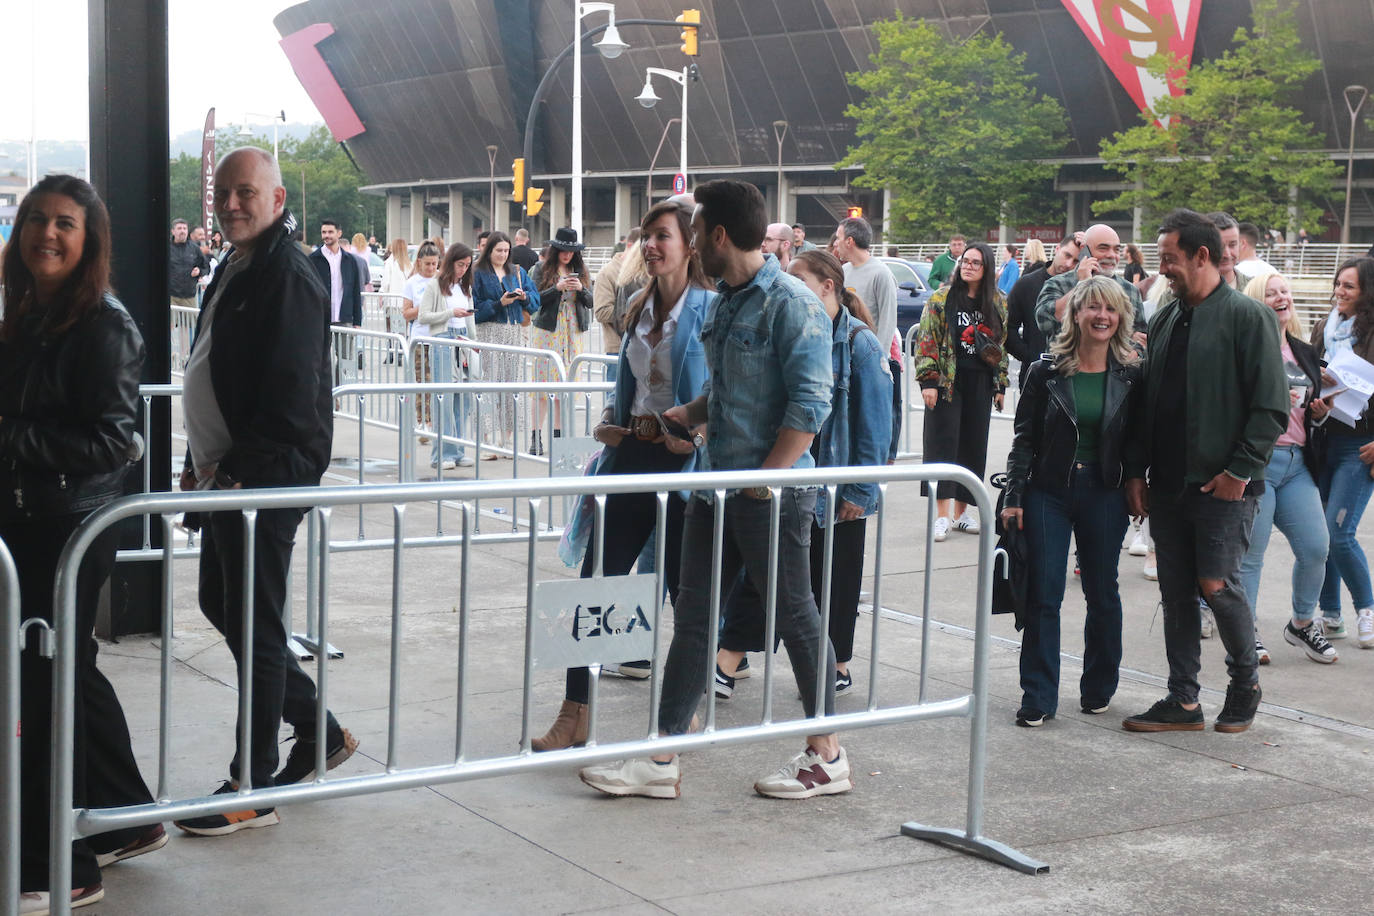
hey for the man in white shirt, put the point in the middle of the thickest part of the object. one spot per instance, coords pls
(1251, 264)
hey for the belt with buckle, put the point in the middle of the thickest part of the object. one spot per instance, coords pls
(646, 427)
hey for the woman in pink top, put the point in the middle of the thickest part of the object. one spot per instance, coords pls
(1290, 499)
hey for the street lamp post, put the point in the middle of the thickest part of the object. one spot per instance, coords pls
(780, 131)
(1354, 108)
(610, 47)
(491, 206)
(648, 99)
(279, 117)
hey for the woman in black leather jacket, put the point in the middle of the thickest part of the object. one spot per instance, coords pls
(70, 360)
(1076, 443)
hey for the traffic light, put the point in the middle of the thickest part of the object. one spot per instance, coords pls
(689, 19)
(532, 202)
(518, 167)
(856, 212)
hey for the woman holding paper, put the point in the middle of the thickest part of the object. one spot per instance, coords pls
(1290, 499)
(1345, 480)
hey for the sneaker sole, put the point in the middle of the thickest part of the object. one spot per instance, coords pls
(106, 859)
(270, 819)
(1094, 710)
(634, 674)
(1131, 726)
(672, 791)
(339, 756)
(1232, 728)
(1031, 723)
(1308, 650)
(834, 787)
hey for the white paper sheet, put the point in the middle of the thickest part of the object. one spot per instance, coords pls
(1354, 384)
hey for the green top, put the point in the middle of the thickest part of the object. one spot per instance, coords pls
(1088, 391)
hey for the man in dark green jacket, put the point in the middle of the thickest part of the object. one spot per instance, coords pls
(942, 268)
(1216, 399)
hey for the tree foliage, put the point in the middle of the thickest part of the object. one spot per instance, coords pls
(955, 130)
(331, 183)
(1233, 141)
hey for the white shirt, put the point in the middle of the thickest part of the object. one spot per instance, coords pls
(653, 366)
(415, 291)
(335, 259)
(1253, 267)
(459, 300)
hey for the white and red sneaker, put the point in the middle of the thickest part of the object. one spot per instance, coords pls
(807, 774)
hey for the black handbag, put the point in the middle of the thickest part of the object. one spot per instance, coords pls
(989, 350)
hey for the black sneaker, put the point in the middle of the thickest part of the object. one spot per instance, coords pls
(300, 763)
(1242, 701)
(842, 682)
(1312, 640)
(1094, 707)
(637, 670)
(229, 821)
(1028, 717)
(1167, 715)
(725, 685)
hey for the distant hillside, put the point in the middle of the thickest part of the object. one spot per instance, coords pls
(189, 142)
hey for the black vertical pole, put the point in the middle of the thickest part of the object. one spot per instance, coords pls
(129, 167)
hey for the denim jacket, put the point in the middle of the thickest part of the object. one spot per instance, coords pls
(689, 372)
(859, 428)
(487, 290)
(768, 353)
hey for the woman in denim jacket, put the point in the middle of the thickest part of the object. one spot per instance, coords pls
(504, 297)
(857, 433)
(1077, 440)
(662, 364)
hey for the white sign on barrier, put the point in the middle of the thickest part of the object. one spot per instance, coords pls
(568, 456)
(581, 622)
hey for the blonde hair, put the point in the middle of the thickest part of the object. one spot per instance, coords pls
(1259, 286)
(359, 240)
(1103, 289)
(401, 253)
(632, 266)
(1035, 251)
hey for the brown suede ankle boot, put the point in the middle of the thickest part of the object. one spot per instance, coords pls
(568, 730)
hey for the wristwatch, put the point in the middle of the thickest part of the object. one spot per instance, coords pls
(756, 492)
(698, 440)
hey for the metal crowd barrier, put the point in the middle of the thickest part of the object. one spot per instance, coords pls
(382, 312)
(183, 331)
(361, 355)
(549, 641)
(913, 404)
(11, 638)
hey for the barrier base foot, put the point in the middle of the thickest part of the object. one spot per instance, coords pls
(991, 850)
(306, 648)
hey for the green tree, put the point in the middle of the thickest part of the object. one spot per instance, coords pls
(955, 130)
(331, 182)
(1232, 141)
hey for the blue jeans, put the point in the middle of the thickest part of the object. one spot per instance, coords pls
(452, 414)
(1291, 503)
(1096, 515)
(1345, 488)
(687, 673)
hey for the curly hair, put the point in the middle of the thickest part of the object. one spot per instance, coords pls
(1103, 289)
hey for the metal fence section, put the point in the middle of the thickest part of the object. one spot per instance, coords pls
(360, 355)
(10, 643)
(183, 332)
(549, 635)
(382, 312)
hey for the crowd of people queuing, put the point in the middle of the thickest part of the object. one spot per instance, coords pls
(1200, 404)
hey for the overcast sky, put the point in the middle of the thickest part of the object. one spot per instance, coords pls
(220, 54)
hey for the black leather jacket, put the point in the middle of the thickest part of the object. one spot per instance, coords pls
(69, 403)
(1046, 434)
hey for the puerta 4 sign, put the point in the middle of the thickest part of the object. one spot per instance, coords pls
(602, 621)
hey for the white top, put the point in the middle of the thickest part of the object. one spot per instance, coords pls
(414, 291)
(1253, 267)
(653, 367)
(207, 435)
(393, 277)
(335, 259)
(436, 309)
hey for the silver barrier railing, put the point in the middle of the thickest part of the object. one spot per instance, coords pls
(360, 355)
(383, 312)
(183, 331)
(547, 644)
(11, 638)
(594, 365)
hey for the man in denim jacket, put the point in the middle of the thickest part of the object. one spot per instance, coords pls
(768, 344)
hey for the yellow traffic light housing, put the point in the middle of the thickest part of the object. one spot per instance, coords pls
(856, 212)
(533, 204)
(518, 167)
(690, 20)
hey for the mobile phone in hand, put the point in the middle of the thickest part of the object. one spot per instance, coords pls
(673, 428)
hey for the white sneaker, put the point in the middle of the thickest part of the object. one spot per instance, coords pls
(1139, 546)
(968, 522)
(465, 462)
(636, 776)
(806, 775)
(1364, 627)
(941, 529)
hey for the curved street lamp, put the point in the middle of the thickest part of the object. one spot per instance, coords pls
(647, 98)
(611, 46)
(780, 131)
(1354, 108)
(278, 118)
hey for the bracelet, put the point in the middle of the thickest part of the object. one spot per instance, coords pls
(1235, 476)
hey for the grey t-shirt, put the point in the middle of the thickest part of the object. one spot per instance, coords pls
(873, 284)
(207, 436)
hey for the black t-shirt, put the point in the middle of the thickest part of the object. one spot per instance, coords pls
(963, 315)
(1169, 456)
(1134, 272)
(525, 256)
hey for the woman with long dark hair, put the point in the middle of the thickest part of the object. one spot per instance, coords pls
(662, 364)
(504, 297)
(961, 365)
(70, 361)
(565, 305)
(1344, 479)
(446, 311)
(1076, 443)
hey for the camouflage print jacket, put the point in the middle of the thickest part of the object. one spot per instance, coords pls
(935, 355)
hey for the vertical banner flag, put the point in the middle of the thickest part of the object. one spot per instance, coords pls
(207, 173)
(1126, 33)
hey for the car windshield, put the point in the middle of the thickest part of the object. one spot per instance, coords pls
(374, 259)
(901, 273)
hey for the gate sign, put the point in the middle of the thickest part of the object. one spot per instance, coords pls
(580, 622)
(679, 187)
(1127, 32)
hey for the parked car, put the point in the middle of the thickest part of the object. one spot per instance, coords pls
(376, 269)
(913, 289)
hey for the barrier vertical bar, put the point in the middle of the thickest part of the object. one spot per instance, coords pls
(598, 570)
(717, 551)
(878, 542)
(362, 456)
(832, 493)
(468, 513)
(9, 731)
(925, 595)
(250, 527)
(63, 747)
(770, 604)
(527, 701)
(397, 595)
(164, 718)
(322, 653)
(660, 556)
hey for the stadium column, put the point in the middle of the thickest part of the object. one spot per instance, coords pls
(417, 216)
(624, 209)
(457, 230)
(128, 88)
(393, 216)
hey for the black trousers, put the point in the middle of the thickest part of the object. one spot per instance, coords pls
(281, 690)
(956, 431)
(630, 521)
(104, 773)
